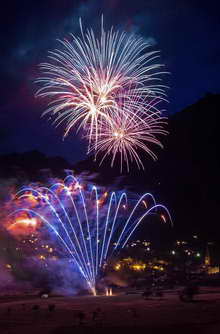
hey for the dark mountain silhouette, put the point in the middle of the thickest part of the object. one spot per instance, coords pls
(185, 177)
(31, 165)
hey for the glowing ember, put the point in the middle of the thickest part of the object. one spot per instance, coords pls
(23, 226)
(108, 292)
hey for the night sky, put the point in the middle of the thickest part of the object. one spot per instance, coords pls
(186, 32)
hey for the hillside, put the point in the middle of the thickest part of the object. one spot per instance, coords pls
(185, 177)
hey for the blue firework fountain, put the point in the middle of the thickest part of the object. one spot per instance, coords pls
(91, 224)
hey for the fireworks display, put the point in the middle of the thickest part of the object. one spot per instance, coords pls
(108, 86)
(128, 132)
(90, 226)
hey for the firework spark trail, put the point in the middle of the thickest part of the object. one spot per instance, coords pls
(88, 77)
(126, 134)
(76, 246)
(90, 227)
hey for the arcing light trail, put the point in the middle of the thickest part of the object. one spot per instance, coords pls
(90, 226)
(86, 80)
(128, 132)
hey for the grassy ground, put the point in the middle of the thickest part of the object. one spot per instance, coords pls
(117, 314)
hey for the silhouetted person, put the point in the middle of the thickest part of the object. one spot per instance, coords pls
(159, 293)
(97, 316)
(133, 314)
(81, 316)
(35, 307)
(9, 310)
(51, 307)
(188, 293)
(147, 293)
(23, 306)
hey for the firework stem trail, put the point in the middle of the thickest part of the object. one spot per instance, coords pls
(93, 226)
(142, 217)
(55, 231)
(113, 195)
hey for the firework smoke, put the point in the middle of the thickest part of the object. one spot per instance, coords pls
(85, 225)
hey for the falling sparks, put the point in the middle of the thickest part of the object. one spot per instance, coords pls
(126, 135)
(163, 218)
(89, 233)
(109, 86)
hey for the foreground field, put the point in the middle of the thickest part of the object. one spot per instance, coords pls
(60, 315)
